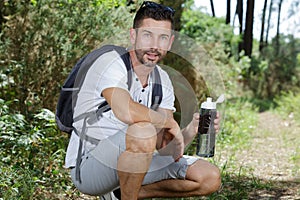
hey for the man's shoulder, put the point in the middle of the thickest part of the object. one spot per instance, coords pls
(108, 59)
(162, 71)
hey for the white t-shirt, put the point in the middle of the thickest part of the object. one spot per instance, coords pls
(108, 71)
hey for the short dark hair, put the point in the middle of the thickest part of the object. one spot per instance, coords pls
(154, 11)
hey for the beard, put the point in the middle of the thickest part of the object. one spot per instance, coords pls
(143, 56)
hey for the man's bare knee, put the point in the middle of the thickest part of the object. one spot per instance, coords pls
(215, 180)
(207, 176)
(212, 181)
(141, 138)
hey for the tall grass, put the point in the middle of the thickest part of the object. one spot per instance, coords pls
(288, 106)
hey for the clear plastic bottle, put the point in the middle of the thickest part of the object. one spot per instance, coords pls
(206, 137)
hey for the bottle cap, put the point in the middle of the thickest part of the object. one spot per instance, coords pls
(209, 104)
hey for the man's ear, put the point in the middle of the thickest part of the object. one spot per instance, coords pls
(132, 36)
(171, 42)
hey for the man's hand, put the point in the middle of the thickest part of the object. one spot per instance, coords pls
(195, 122)
(217, 122)
(191, 130)
(172, 141)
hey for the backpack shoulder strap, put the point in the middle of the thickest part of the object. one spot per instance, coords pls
(157, 90)
(88, 60)
(126, 59)
(157, 93)
(124, 54)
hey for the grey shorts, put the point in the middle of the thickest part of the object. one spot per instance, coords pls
(98, 167)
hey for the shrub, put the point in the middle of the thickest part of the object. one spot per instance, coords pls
(42, 40)
(32, 154)
(288, 105)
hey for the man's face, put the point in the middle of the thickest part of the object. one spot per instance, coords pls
(152, 41)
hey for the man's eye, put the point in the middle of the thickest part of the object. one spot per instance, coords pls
(164, 38)
(147, 35)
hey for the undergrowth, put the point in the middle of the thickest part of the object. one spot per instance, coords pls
(32, 154)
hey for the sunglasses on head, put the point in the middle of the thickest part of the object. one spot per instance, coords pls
(150, 4)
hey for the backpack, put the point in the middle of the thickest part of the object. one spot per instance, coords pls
(71, 87)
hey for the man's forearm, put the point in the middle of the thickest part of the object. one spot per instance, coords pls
(130, 112)
(189, 133)
(141, 113)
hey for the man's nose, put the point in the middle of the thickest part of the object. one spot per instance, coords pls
(155, 44)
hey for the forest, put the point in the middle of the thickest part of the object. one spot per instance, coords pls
(257, 148)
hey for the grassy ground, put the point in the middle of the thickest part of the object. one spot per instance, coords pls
(264, 164)
(261, 164)
(268, 165)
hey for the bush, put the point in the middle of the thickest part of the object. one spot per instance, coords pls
(42, 40)
(32, 154)
(218, 39)
(288, 105)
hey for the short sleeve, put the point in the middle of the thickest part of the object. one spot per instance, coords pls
(113, 73)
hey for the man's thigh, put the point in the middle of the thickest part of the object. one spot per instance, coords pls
(164, 167)
(99, 167)
(96, 179)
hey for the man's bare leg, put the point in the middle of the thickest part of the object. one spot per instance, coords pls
(202, 178)
(134, 162)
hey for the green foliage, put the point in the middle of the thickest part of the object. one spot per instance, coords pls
(205, 28)
(288, 105)
(32, 154)
(16, 183)
(240, 120)
(265, 75)
(42, 40)
(218, 40)
(276, 69)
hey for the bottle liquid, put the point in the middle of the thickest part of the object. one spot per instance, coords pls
(206, 131)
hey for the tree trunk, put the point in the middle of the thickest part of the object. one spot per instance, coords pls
(248, 36)
(212, 8)
(239, 12)
(2, 20)
(278, 25)
(269, 21)
(228, 12)
(261, 41)
(177, 6)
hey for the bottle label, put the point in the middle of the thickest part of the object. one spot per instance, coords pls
(206, 133)
(207, 117)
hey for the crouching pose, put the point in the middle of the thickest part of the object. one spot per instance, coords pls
(136, 146)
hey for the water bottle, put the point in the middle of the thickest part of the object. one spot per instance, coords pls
(206, 137)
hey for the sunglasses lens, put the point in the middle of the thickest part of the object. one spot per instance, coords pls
(150, 4)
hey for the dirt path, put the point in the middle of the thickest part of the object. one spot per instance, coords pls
(272, 157)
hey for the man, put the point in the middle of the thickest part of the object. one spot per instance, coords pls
(139, 149)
